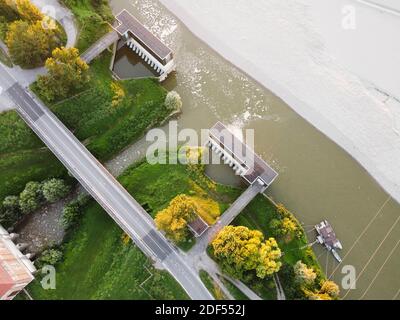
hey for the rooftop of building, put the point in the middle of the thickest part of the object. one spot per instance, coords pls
(128, 23)
(242, 153)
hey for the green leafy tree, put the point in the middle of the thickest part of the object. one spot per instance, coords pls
(67, 73)
(54, 189)
(174, 219)
(240, 250)
(31, 198)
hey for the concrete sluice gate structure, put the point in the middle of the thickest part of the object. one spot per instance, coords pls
(139, 39)
(243, 160)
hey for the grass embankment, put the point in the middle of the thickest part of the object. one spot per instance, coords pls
(93, 21)
(99, 263)
(211, 285)
(235, 291)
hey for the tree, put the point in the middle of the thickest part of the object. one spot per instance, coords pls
(304, 275)
(71, 213)
(11, 211)
(8, 10)
(330, 288)
(31, 198)
(173, 101)
(240, 250)
(29, 43)
(67, 73)
(28, 11)
(174, 219)
(54, 189)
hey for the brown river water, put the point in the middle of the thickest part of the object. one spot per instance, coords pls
(317, 179)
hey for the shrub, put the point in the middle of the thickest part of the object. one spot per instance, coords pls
(50, 257)
(10, 212)
(71, 213)
(31, 198)
(173, 101)
(54, 190)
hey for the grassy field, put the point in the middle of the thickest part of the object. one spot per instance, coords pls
(235, 292)
(211, 285)
(100, 264)
(23, 157)
(93, 21)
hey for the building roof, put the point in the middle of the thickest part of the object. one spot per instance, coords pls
(128, 22)
(6, 282)
(241, 152)
(198, 226)
(15, 268)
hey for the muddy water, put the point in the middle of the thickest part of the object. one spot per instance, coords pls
(129, 65)
(318, 180)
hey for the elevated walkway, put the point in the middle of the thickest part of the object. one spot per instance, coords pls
(228, 216)
(100, 45)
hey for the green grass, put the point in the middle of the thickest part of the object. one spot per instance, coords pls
(92, 21)
(23, 157)
(235, 291)
(211, 285)
(98, 264)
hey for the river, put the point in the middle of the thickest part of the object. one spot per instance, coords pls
(317, 180)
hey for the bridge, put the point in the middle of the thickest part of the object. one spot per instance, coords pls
(135, 36)
(104, 188)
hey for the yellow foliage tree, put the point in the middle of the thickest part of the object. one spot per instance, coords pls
(240, 249)
(28, 11)
(304, 275)
(67, 73)
(29, 43)
(174, 219)
(330, 288)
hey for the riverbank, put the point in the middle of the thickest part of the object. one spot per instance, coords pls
(293, 62)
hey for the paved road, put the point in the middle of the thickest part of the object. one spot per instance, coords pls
(126, 212)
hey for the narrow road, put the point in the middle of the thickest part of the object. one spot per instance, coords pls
(119, 204)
